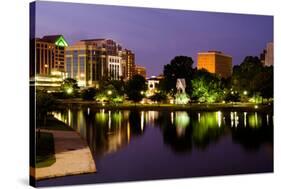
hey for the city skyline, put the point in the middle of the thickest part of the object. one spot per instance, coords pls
(157, 35)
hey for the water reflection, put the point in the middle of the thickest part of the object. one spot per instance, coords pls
(107, 131)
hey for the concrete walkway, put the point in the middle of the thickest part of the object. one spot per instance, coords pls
(73, 156)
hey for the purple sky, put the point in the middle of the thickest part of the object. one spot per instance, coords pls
(157, 35)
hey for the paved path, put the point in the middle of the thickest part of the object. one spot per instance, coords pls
(73, 156)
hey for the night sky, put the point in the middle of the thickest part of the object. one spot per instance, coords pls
(157, 35)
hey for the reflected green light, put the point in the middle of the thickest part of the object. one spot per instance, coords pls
(255, 120)
(182, 119)
(101, 117)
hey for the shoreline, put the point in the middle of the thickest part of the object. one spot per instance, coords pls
(170, 107)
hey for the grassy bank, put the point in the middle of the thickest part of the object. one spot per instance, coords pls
(45, 149)
(76, 103)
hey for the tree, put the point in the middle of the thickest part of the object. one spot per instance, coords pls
(45, 103)
(69, 86)
(179, 67)
(253, 77)
(88, 94)
(159, 97)
(206, 87)
(135, 88)
(243, 74)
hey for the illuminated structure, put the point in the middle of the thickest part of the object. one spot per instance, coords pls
(215, 62)
(140, 70)
(114, 67)
(128, 63)
(48, 68)
(152, 84)
(181, 85)
(92, 60)
(50, 54)
(267, 57)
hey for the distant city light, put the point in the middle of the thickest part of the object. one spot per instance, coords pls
(245, 92)
(256, 106)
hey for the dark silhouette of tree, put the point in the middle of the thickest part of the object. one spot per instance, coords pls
(179, 67)
(253, 77)
(88, 94)
(134, 88)
(159, 97)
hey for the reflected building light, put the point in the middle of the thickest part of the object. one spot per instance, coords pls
(180, 131)
(219, 118)
(172, 117)
(245, 119)
(199, 117)
(142, 120)
(267, 119)
(109, 119)
(256, 119)
(236, 119)
(88, 111)
(69, 117)
(231, 118)
(128, 132)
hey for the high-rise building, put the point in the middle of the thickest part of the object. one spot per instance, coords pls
(269, 59)
(215, 62)
(86, 63)
(49, 54)
(47, 69)
(92, 60)
(128, 63)
(140, 70)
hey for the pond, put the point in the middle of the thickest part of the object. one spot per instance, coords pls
(140, 145)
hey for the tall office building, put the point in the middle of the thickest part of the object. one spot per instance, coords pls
(215, 62)
(50, 54)
(92, 60)
(128, 63)
(47, 70)
(140, 70)
(86, 63)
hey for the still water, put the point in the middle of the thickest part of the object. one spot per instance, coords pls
(140, 145)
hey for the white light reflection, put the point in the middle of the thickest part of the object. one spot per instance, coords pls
(88, 111)
(245, 119)
(142, 120)
(219, 118)
(109, 119)
(172, 117)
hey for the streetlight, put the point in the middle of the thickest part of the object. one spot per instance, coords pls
(142, 92)
(69, 90)
(109, 92)
(245, 92)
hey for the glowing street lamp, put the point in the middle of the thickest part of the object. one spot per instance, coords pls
(142, 92)
(69, 90)
(109, 92)
(245, 92)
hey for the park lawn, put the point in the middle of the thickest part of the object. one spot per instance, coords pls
(45, 150)
(53, 124)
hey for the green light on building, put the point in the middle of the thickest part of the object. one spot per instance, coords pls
(61, 42)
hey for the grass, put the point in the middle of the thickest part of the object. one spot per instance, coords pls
(53, 124)
(45, 150)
